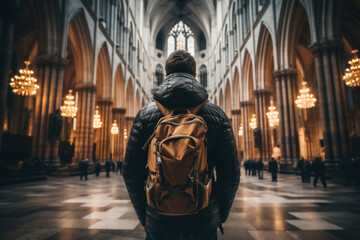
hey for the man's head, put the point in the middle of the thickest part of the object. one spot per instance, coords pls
(180, 61)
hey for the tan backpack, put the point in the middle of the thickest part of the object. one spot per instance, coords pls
(178, 181)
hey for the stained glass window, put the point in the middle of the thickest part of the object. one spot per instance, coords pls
(181, 37)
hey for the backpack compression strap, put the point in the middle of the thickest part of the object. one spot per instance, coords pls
(194, 110)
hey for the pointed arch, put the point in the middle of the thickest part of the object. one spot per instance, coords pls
(236, 89)
(119, 89)
(130, 106)
(292, 14)
(221, 99)
(248, 76)
(103, 73)
(265, 60)
(228, 99)
(80, 43)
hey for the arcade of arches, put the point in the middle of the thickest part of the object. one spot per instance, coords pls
(111, 54)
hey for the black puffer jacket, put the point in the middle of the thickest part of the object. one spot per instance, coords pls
(181, 90)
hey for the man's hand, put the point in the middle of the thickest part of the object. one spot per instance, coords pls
(145, 228)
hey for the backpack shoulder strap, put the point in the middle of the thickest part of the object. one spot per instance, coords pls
(196, 109)
(165, 111)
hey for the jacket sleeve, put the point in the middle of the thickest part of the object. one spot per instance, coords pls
(134, 171)
(227, 168)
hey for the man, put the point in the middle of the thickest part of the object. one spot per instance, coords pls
(260, 166)
(273, 167)
(300, 166)
(108, 167)
(180, 89)
(318, 167)
(83, 167)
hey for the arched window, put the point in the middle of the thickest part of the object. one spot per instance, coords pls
(234, 27)
(121, 28)
(159, 41)
(226, 47)
(159, 74)
(202, 41)
(131, 45)
(105, 15)
(181, 37)
(203, 76)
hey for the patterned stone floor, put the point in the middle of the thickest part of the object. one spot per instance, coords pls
(67, 208)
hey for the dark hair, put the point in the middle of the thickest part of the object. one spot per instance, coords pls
(180, 61)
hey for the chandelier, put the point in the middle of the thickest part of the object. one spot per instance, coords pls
(114, 128)
(241, 130)
(352, 74)
(273, 115)
(305, 99)
(125, 133)
(69, 108)
(97, 121)
(253, 123)
(25, 84)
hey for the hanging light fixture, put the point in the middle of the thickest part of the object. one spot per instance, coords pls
(305, 99)
(25, 84)
(273, 115)
(125, 133)
(69, 108)
(241, 130)
(352, 74)
(253, 123)
(97, 121)
(114, 128)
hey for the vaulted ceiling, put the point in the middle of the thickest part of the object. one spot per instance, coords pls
(164, 14)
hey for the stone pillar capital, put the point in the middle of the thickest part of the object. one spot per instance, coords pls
(44, 60)
(119, 110)
(262, 92)
(236, 111)
(85, 87)
(104, 101)
(327, 44)
(246, 103)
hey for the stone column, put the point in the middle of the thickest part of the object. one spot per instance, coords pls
(103, 135)
(236, 124)
(119, 116)
(328, 60)
(286, 95)
(262, 100)
(9, 14)
(247, 109)
(50, 75)
(84, 131)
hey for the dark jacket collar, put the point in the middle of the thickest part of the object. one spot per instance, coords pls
(180, 90)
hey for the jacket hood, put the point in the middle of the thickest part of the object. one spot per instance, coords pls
(180, 90)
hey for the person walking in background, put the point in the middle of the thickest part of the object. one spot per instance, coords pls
(260, 166)
(97, 168)
(318, 167)
(83, 168)
(307, 171)
(247, 167)
(273, 167)
(300, 167)
(108, 167)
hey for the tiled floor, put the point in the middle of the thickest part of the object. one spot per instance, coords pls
(67, 208)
